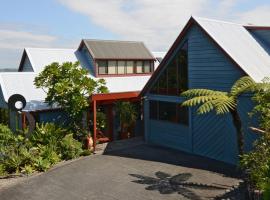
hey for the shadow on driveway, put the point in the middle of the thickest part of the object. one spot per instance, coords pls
(174, 157)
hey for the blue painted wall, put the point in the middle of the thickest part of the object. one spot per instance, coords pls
(263, 38)
(58, 117)
(88, 60)
(207, 135)
(27, 66)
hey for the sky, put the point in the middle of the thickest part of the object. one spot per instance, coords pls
(63, 23)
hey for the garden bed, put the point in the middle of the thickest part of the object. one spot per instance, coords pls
(13, 179)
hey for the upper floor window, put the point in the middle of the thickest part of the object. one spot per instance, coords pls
(102, 67)
(174, 79)
(124, 67)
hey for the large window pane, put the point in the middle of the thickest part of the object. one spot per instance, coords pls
(112, 67)
(139, 67)
(168, 111)
(154, 89)
(153, 110)
(129, 68)
(183, 71)
(121, 67)
(172, 78)
(147, 67)
(162, 84)
(183, 115)
(102, 67)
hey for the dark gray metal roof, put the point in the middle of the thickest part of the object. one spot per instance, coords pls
(111, 49)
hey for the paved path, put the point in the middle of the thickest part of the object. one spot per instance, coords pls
(139, 172)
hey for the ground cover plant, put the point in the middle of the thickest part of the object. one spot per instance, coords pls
(46, 146)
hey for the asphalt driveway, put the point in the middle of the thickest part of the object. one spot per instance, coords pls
(138, 172)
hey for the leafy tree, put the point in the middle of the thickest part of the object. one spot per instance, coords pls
(222, 103)
(262, 100)
(68, 85)
(257, 162)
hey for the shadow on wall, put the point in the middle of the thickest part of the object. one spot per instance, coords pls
(167, 184)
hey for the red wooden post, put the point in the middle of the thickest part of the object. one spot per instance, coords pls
(23, 121)
(110, 121)
(95, 123)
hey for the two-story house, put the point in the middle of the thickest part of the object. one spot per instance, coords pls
(125, 65)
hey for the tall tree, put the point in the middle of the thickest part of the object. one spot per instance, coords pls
(222, 103)
(69, 86)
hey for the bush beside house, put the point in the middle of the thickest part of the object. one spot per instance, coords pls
(46, 146)
(257, 162)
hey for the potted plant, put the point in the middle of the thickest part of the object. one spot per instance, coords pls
(128, 116)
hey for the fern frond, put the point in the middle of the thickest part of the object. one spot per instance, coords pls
(200, 100)
(244, 84)
(205, 108)
(201, 92)
(223, 106)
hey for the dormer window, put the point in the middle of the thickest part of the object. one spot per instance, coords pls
(129, 67)
(102, 67)
(117, 58)
(112, 67)
(120, 67)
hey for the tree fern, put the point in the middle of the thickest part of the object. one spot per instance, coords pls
(222, 102)
(201, 92)
(242, 85)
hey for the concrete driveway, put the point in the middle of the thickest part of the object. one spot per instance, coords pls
(138, 172)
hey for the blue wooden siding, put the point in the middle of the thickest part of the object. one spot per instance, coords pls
(58, 117)
(207, 135)
(15, 120)
(3, 103)
(27, 66)
(263, 38)
(245, 108)
(89, 62)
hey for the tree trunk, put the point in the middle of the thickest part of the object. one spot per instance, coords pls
(239, 131)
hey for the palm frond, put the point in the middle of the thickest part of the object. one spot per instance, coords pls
(244, 84)
(201, 92)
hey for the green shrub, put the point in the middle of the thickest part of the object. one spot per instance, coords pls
(49, 153)
(27, 169)
(2, 170)
(46, 146)
(266, 193)
(257, 163)
(47, 133)
(70, 148)
(12, 163)
(6, 135)
(42, 164)
(86, 152)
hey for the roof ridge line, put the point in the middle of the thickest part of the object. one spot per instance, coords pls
(215, 20)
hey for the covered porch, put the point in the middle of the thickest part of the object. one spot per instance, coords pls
(106, 103)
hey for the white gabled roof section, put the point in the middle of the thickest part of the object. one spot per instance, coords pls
(239, 44)
(23, 83)
(41, 57)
